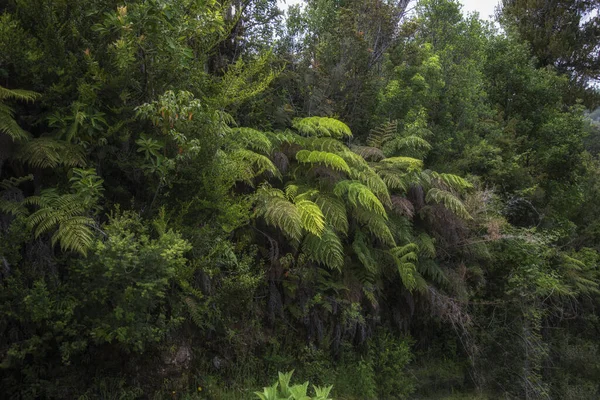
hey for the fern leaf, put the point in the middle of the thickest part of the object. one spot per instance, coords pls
(50, 153)
(370, 179)
(331, 160)
(312, 217)
(280, 212)
(252, 139)
(453, 182)
(449, 201)
(252, 164)
(383, 133)
(360, 195)
(334, 211)
(406, 163)
(326, 249)
(377, 226)
(322, 127)
(369, 153)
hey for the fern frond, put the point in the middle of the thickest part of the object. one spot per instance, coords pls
(363, 253)
(74, 234)
(432, 270)
(451, 181)
(331, 160)
(360, 196)
(370, 179)
(252, 139)
(449, 201)
(326, 249)
(252, 164)
(377, 226)
(404, 163)
(322, 126)
(279, 212)
(426, 245)
(369, 153)
(393, 179)
(409, 143)
(334, 211)
(313, 219)
(327, 144)
(49, 153)
(17, 94)
(383, 133)
(405, 258)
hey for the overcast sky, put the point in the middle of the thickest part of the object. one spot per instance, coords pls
(484, 7)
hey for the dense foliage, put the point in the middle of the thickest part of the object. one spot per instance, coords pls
(195, 195)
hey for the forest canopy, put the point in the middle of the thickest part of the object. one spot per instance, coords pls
(390, 197)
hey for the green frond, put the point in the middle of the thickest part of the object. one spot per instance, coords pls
(13, 207)
(376, 224)
(327, 144)
(432, 271)
(322, 126)
(449, 201)
(404, 163)
(393, 179)
(252, 139)
(17, 94)
(426, 245)
(354, 160)
(363, 253)
(280, 213)
(334, 211)
(331, 160)
(252, 164)
(360, 196)
(50, 153)
(369, 153)
(313, 219)
(409, 143)
(9, 126)
(370, 179)
(451, 181)
(74, 234)
(383, 133)
(326, 249)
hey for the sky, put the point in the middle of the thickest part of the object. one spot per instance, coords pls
(484, 7)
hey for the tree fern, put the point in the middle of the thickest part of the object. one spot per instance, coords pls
(326, 249)
(331, 160)
(360, 196)
(322, 126)
(450, 201)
